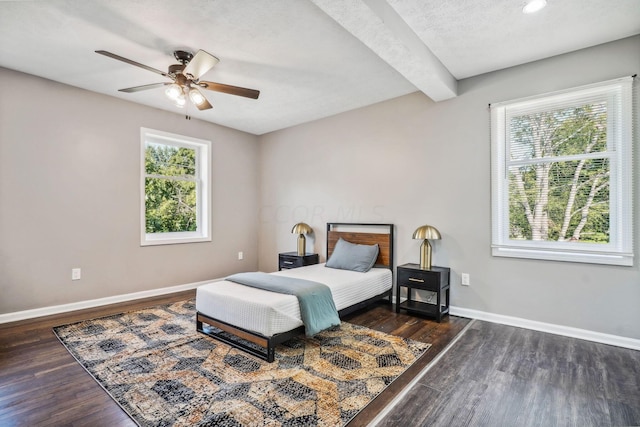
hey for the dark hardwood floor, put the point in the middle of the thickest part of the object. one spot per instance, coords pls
(493, 375)
(41, 384)
(383, 318)
(497, 375)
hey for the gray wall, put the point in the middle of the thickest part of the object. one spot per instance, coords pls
(69, 197)
(411, 162)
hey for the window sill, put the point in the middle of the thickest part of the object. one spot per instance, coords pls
(553, 255)
(167, 239)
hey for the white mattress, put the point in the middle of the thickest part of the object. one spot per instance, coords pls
(270, 313)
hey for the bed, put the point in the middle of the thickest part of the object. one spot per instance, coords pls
(257, 320)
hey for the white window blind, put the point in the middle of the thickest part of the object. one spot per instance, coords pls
(562, 175)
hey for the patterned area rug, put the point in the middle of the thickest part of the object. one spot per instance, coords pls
(164, 373)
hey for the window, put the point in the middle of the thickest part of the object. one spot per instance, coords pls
(175, 188)
(562, 175)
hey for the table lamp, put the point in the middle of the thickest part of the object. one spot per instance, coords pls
(425, 233)
(301, 229)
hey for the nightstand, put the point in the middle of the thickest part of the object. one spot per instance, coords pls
(288, 260)
(411, 276)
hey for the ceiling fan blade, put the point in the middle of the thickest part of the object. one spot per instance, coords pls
(204, 105)
(128, 61)
(199, 65)
(232, 90)
(143, 87)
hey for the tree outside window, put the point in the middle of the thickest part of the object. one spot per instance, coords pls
(170, 188)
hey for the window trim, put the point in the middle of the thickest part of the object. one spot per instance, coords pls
(620, 249)
(203, 188)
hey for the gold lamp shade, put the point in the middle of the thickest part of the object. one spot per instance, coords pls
(301, 229)
(426, 233)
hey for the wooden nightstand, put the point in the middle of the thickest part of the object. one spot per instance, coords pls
(411, 276)
(288, 260)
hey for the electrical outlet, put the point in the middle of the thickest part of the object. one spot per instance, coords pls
(466, 281)
(76, 274)
(240, 256)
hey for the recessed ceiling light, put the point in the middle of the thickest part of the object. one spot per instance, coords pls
(534, 6)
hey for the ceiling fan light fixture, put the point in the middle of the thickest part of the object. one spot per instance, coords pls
(173, 91)
(196, 97)
(534, 6)
(180, 100)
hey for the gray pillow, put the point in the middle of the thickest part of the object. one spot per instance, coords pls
(350, 256)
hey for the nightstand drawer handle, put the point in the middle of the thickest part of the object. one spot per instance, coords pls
(416, 280)
(287, 262)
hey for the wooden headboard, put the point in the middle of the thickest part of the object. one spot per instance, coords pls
(383, 236)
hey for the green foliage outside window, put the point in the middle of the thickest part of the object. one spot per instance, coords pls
(170, 188)
(559, 175)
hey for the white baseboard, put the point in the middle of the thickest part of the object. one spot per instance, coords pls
(63, 308)
(567, 331)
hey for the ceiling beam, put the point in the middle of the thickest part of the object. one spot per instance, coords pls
(377, 25)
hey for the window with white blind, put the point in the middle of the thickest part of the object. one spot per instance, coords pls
(562, 175)
(175, 194)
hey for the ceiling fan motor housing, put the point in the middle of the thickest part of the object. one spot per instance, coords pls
(183, 56)
(176, 69)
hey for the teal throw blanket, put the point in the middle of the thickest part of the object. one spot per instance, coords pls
(317, 309)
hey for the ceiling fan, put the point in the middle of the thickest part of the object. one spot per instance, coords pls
(186, 79)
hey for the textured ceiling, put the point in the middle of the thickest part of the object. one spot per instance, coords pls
(309, 58)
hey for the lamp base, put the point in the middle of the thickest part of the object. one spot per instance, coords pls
(302, 245)
(425, 255)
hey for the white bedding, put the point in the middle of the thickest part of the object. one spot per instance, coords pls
(270, 313)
